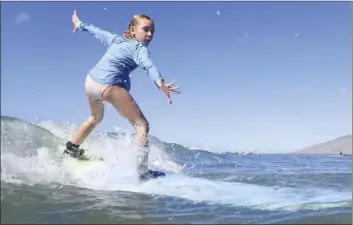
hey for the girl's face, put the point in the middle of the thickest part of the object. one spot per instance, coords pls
(143, 31)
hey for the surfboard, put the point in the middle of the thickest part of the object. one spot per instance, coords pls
(91, 161)
(74, 164)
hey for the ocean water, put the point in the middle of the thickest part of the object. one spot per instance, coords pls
(201, 186)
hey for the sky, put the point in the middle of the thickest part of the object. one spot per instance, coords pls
(265, 76)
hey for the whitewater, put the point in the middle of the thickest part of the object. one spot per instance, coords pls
(201, 186)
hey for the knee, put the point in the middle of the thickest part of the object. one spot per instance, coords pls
(94, 120)
(143, 127)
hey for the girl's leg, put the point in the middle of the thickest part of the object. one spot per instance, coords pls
(97, 113)
(128, 108)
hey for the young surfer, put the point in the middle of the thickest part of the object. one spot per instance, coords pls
(109, 81)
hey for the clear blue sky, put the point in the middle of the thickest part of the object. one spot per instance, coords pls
(254, 75)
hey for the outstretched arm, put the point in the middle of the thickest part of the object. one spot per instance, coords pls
(143, 59)
(104, 36)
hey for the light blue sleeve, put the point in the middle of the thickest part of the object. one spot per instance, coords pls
(143, 59)
(104, 36)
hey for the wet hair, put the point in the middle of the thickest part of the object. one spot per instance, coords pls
(134, 21)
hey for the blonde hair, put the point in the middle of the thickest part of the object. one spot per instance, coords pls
(134, 21)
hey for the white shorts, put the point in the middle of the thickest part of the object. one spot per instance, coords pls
(94, 89)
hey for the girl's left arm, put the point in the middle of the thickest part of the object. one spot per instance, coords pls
(104, 36)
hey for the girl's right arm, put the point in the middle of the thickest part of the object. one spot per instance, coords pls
(104, 36)
(143, 59)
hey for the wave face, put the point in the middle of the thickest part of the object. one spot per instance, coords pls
(201, 186)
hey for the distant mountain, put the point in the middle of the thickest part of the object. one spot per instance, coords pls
(335, 146)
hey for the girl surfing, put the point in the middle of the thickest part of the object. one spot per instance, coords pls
(108, 81)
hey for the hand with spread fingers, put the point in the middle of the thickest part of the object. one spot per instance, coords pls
(168, 88)
(76, 21)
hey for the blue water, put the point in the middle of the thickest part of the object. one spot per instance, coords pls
(39, 186)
